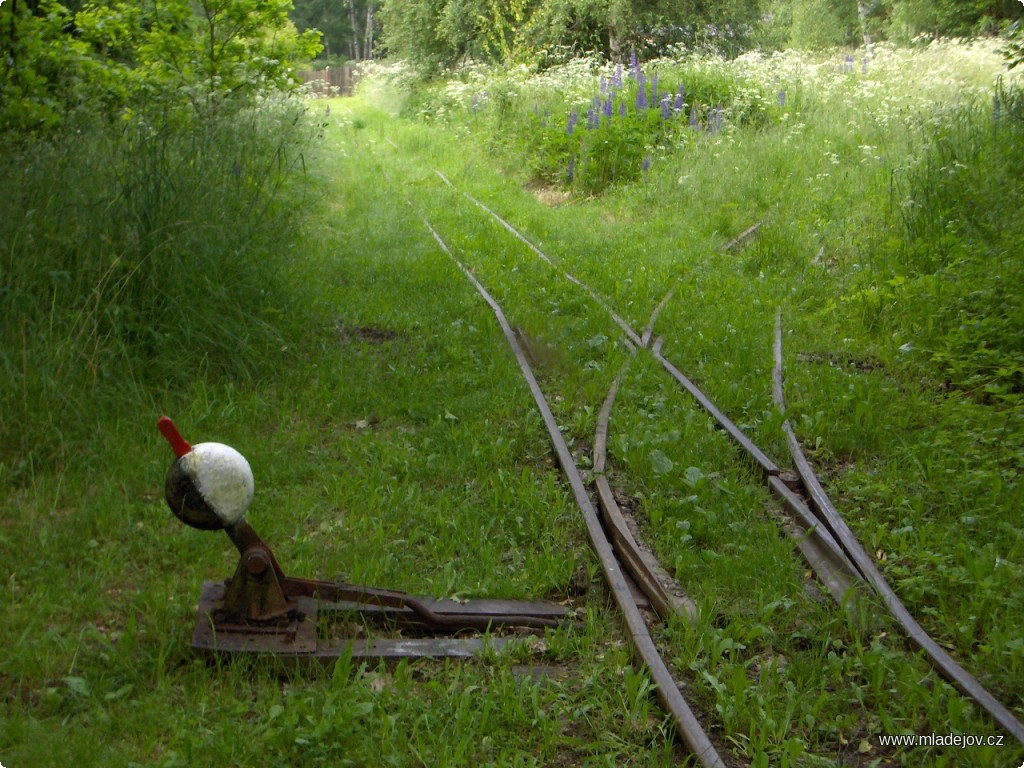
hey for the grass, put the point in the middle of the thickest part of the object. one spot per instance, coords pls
(394, 444)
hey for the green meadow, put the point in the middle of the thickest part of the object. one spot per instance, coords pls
(269, 282)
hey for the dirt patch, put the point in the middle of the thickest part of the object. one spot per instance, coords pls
(551, 196)
(365, 333)
(866, 364)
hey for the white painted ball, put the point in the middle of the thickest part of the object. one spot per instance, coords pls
(223, 478)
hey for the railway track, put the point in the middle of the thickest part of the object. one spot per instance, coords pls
(826, 542)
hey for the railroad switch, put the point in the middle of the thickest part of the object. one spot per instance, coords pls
(261, 610)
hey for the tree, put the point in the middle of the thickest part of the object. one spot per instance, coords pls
(437, 33)
(1013, 52)
(824, 23)
(349, 27)
(211, 51)
(107, 57)
(949, 18)
(410, 31)
(38, 65)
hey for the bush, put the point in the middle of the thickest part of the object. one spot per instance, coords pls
(960, 205)
(132, 258)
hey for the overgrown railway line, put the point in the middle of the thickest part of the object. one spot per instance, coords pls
(826, 541)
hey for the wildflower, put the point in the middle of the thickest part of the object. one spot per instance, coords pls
(666, 108)
(573, 117)
(476, 101)
(622, 108)
(693, 117)
(604, 85)
(647, 162)
(782, 98)
(634, 65)
(654, 88)
(641, 93)
(607, 108)
(679, 99)
(617, 79)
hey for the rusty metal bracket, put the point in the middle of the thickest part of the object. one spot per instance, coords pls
(262, 610)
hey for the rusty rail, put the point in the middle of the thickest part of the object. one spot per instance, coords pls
(946, 665)
(830, 547)
(666, 595)
(687, 726)
(822, 553)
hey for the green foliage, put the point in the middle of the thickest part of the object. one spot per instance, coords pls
(145, 149)
(816, 24)
(589, 127)
(349, 29)
(438, 34)
(958, 201)
(109, 57)
(1013, 51)
(41, 68)
(208, 54)
(410, 31)
(907, 19)
(134, 256)
(397, 375)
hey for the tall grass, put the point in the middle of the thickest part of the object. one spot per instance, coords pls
(134, 257)
(961, 271)
(889, 196)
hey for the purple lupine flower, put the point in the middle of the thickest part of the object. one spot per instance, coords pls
(711, 120)
(641, 93)
(849, 63)
(634, 65)
(622, 108)
(666, 107)
(782, 98)
(654, 88)
(590, 119)
(693, 118)
(679, 99)
(617, 79)
(647, 163)
(571, 125)
(604, 85)
(718, 118)
(607, 108)
(571, 172)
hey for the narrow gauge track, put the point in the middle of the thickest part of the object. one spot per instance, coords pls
(688, 727)
(830, 546)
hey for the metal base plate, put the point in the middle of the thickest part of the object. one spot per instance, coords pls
(299, 638)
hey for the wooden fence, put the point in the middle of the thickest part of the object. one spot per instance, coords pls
(330, 81)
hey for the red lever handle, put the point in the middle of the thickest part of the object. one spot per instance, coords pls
(178, 443)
